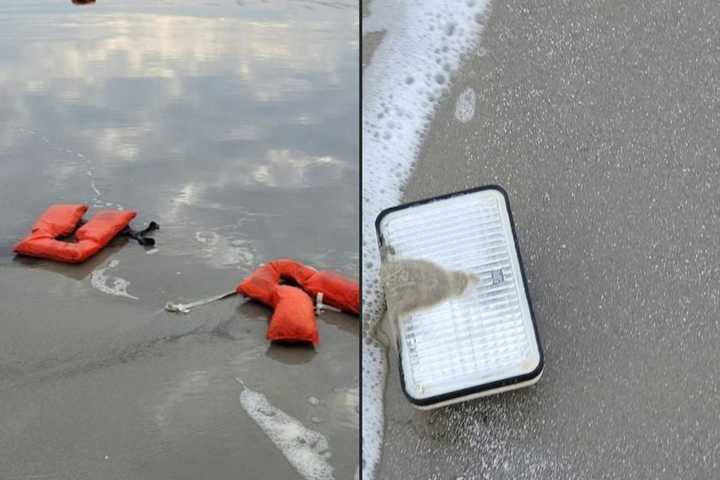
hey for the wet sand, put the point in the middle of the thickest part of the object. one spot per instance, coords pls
(231, 124)
(602, 123)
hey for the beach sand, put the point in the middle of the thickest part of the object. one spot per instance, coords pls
(602, 123)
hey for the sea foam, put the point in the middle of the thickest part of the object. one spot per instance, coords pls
(99, 280)
(423, 44)
(306, 450)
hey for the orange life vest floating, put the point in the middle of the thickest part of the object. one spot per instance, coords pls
(264, 285)
(60, 221)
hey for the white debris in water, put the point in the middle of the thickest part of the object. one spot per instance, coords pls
(306, 450)
(313, 401)
(423, 44)
(152, 251)
(465, 106)
(99, 281)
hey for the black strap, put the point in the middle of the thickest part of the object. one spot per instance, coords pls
(140, 235)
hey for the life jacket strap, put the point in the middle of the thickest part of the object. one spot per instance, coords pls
(320, 307)
(141, 235)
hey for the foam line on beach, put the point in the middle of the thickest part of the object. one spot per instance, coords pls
(307, 450)
(422, 46)
(99, 281)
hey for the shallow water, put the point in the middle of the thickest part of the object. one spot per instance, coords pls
(233, 124)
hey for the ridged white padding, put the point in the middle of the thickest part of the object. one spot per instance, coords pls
(487, 334)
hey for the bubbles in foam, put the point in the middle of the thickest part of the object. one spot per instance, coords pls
(465, 106)
(401, 83)
(306, 450)
(119, 287)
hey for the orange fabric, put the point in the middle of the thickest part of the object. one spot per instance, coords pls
(104, 226)
(260, 284)
(60, 221)
(292, 269)
(294, 317)
(338, 291)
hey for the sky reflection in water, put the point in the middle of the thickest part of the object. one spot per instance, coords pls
(234, 116)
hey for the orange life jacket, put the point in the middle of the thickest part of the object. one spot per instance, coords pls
(338, 291)
(60, 221)
(294, 317)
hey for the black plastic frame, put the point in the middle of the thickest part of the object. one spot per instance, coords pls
(427, 402)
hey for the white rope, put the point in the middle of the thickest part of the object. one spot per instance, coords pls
(186, 307)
